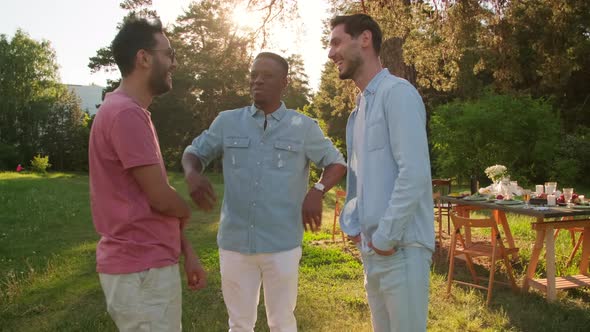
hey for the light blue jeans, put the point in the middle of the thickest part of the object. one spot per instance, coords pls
(397, 289)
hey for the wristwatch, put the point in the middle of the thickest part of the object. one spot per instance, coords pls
(320, 186)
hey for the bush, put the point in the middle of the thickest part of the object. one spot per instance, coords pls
(40, 164)
(519, 132)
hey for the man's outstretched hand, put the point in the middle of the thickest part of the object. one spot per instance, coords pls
(201, 191)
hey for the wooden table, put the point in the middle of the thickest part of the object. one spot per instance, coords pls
(547, 221)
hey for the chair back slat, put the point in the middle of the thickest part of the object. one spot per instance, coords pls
(338, 204)
(462, 222)
(441, 186)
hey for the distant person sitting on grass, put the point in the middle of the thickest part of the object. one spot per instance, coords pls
(19, 168)
(138, 215)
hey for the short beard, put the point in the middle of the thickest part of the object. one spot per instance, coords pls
(354, 65)
(157, 82)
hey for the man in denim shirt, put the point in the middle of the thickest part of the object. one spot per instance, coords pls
(266, 150)
(388, 210)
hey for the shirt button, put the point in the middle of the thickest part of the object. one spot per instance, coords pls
(256, 183)
(251, 226)
(261, 143)
(235, 142)
(258, 163)
(253, 204)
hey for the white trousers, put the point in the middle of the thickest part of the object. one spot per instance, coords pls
(241, 277)
(397, 289)
(150, 300)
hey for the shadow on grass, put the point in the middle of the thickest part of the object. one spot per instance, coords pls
(528, 311)
(47, 247)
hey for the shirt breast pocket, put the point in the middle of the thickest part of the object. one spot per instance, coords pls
(286, 154)
(236, 151)
(376, 136)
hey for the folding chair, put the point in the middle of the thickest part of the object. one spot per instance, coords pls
(575, 243)
(494, 249)
(340, 196)
(441, 187)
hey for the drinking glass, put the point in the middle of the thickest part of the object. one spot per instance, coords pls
(550, 200)
(526, 195)
(550, 187)
(567, 195)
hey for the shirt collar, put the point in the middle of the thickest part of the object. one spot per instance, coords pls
(374, 83)
(372, 86)
(277, 114)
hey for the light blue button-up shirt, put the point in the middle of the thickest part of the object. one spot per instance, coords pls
(395, 206)
(266, 175)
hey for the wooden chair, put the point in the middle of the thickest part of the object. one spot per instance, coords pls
(441, 187)
(340, 196)
(494, 249)
(575, 243)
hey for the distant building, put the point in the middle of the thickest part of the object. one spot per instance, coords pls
(90, 96)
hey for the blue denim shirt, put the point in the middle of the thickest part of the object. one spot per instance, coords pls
(265, 173)
(395, 207)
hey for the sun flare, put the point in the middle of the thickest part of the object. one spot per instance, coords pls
(245, 18)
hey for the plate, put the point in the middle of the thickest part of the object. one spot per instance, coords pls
(475, 198)
(511, 202)
(581, 207)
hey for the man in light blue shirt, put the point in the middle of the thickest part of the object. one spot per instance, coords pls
(266, 150)
(388, 210)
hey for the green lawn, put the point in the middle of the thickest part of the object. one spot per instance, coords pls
(48, 281)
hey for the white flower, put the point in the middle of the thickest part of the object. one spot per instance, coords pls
(496, 172)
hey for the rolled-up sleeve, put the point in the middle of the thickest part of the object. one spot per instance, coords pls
(320, 149)
(209, 145)
(406, 120)
(349, 220)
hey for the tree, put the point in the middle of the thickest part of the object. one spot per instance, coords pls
(272, 12)
(551, 43)
(211, 77)
(66, 133)
(333, 103)
(37, 114)
(298, 93)
(28, 75)
(212, 74)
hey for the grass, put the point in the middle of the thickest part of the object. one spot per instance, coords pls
(48, 280)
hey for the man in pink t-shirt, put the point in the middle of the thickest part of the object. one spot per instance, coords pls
(138, 215)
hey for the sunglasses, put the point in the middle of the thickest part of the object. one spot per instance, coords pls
(170, 52)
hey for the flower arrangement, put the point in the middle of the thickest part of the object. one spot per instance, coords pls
(496, 172)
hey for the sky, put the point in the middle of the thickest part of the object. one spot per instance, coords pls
(76, 29)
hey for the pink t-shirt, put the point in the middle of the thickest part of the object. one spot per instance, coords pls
(133, 236)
